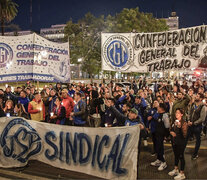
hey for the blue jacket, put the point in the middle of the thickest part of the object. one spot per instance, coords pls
(141, 108)
(119, 103)
(51, 103)
(152, 123)
(71, 93)
(25, 101)
(79, 110)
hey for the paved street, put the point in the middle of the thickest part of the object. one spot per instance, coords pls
(195, 169)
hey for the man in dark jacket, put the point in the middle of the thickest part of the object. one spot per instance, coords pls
(182, 103)
(79, 114)
(162, 127)
(197, 114)
(110, 119)
(132, 119)
(23, 100)
(50, 102)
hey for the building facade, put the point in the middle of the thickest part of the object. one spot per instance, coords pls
(54, 33)
(172, 21)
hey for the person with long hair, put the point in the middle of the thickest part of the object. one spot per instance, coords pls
(20, 111)
(9, 108)
(58, 114)
(179, 134)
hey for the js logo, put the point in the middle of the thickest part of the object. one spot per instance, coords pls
(20, 142)
(6, 54)
(118, 52)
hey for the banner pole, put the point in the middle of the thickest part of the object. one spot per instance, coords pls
(38, 85)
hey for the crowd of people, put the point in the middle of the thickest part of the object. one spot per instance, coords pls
(165, 110)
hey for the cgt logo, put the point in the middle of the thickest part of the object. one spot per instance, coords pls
(118, 52)
(20, 143)
(6, 54)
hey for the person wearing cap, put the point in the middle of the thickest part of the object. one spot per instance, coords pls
(36, 108)
(68, 103)
(162, 130)
(132, 119)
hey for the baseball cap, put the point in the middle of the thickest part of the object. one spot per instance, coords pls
(134, 110)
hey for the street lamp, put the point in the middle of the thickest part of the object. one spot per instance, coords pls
(79, 61)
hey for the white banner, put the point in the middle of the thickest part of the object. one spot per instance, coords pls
(148, 52)
(109, 153)
(32, 57)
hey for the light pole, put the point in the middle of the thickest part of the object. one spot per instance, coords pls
(79, 61)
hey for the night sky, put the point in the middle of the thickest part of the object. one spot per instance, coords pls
(48, 12)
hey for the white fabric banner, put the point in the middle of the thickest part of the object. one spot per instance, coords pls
(110, 153)
(149, 52)
(32, 57)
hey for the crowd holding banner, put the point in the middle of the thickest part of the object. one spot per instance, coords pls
(32, 57)
(169, 109)
(99, 152)
(181, 49)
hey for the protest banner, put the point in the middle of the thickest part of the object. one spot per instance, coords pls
(32, 57)
(109, 153)
(159, 51)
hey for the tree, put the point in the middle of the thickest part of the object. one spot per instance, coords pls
(85, 36)
(132, 20)
(85, 42)
(13, 28)
(8, 11)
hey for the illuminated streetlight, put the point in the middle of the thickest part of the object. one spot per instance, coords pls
(80, 59)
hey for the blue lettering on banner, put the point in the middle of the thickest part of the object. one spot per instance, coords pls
(77, 148)
(106, 140)
(113, 154)
(95, 150)
(120, 170)
(73, 148)
(32, 147)
(85, 137)
(52, 135)
(61, 146)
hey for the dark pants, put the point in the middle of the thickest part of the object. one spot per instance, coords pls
(82, 125)
(179, 149)
(138, 156)
(154, 142)
(196, 130)
(68, 122)
(160, 147)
